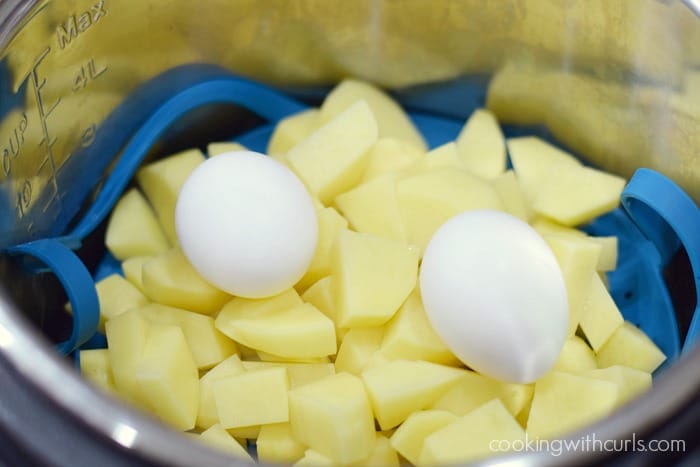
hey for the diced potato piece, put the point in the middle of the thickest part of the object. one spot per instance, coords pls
(401, 387)
(245, 432)
(333, 416)
(547, 226)
(564, 402)
(410, 336)
(133, 229)
(299, 373)
(207, 415)
(292, 129)
(358, 345)
(608, 253)
(373, 207)
(473, 389)
(330, 223)
(252, 398)
(334, 157)
(221, 147)
(372, 276)
(512, 196)
(629, 346)
(428, 199)
(445, 156)
(630, 381)
(383, 454)
(577, 259)
(167, 377)
(481, 145)
(161, 182)
(248, 308)
(314, 459)
(209, 346)
(535, 161)
(272, 358)
(126, 337)
(600, 317)
(409, 437)
(576, 195)
(471, 437)
(392, 121)
(390, 155)
(133, 268)
(217, 438)
(96, 368)
(171, 280)
(298, 332)
(277, 445)
(117, 295)
(320, 295)
(575, 357)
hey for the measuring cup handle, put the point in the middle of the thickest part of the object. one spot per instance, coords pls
(668, 217)
(76, 281)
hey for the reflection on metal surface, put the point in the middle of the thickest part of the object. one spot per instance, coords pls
(6, 338)
(124, 434)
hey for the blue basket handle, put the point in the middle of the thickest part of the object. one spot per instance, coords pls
(669, 218)
(76, 281)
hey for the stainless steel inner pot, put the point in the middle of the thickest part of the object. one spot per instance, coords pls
(615, 80)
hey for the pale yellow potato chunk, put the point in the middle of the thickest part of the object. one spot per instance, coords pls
(392, 120)
(390, 155)
(207, 414)
(444, 156)
(245, 432)
(575, 357)
(334, 157)
(333, 416)
(512, 196)
(481, 146)
(117, 295)
(400, 387)
(170, 279)
(383, 454)
(330, 223)
(167, 377)
(471, 437)
(133, 268)
(372, 276)
(564, 402)
(277, 445)
(217, 438)
(409, 437)
(96, 368)
(299, 373)
(133, 229)
(314, 459)
(252, 398)
(249, 308)
(601, 316)
(272, 358)
(630, 381)
(608, 253)
(321, 296)
(126, 337)
(629, 346)
(292, 129)
(161, 182)
(222, 147)
(209, 346)
(358, 346)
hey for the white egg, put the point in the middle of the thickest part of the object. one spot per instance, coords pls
(247, 224)
(494, 293)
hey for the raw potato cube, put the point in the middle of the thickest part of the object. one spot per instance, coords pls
(372, 276)
(390, 155)
(428, 199)
(217, 438)
(409, 437)
(481, 145)
(133, 268)
(471, 437)
(445, 156)
(171, 280)
(383, 454)
(392, 121)
(630, 381)
(333, 158)
(292, 129)
(300, 332)
(215, 149)
(272, 358)
(126, 337)
(358, 346)
(410, 336)
(373, 207)
(564, 402)
(401, 387)
(249, 308)
(512, 196)
(209, 346)
(320, 296)
(207, 415)
(314, 459)
(299, 373)
(575, 357)
(252, 398)
(245, 432)
(574, 196)
(608, 253)
(600, 317)
(629, 346)
(330, 223)
(133, 229)
(167, 377)
(95, 366)
(161, 182)
(116, 295)
(333, 416)
(577, 259)
(277, 445)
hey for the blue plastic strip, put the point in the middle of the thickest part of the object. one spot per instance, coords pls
(76, 281)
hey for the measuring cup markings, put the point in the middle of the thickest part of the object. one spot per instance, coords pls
(77, 24)
(14, 141)
(87, 74)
